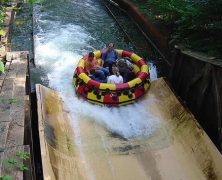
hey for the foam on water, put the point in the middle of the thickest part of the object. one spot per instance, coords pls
(129, 121)
(153, 72)
(53, 53)
(58, 53)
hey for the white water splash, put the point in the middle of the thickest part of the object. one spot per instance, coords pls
(129, 121)
(153, 72)
(58, 52)
(53, 52)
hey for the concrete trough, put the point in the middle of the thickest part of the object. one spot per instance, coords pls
(178, 149)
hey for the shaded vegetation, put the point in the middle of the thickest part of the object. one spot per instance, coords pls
(6, 3)
(196, 24)
(2, 16)
(14, 163)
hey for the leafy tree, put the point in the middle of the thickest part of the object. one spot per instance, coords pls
(196, 24)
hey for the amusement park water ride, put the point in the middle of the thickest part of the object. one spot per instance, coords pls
(112, 94)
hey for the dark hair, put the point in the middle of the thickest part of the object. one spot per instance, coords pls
(111, 43)
(91, 54)
(117, 70)
(92, 71)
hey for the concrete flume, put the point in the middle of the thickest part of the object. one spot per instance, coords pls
(178, 149)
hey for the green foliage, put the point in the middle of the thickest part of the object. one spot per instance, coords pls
(2, 15)
(12, 101)
(6, 177)
(5, 2)
(36, 1)
(2, 68)
(3, 5)
(31, 1)
(22, 167)
(22, 155)
(15, 163)
(2, 32)
(12, 161)
(197, 24)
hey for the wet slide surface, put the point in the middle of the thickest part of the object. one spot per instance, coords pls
(176, 147)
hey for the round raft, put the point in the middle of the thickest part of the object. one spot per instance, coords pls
(112, 94)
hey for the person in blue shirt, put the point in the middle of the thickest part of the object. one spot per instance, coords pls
(109, 57)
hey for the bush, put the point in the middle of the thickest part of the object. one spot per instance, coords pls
(196, 24)
(3, 5)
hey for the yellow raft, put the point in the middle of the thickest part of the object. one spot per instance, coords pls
(112, 94)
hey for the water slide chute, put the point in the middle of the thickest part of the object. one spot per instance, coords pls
(178, 148)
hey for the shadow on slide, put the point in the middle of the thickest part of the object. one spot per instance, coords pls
(178, 149)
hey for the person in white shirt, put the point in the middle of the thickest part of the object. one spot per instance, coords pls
(116, 78)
